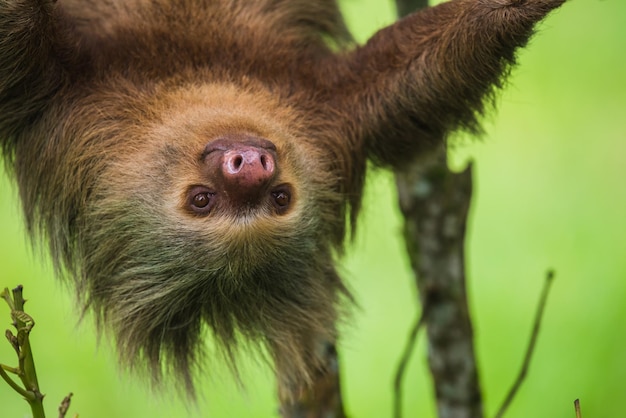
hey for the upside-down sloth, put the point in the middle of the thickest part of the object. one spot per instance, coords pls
(198, 163)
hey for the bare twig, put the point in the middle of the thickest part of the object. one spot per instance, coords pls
(531, 345)
(404, 360)
(577, 408)
(14, 385)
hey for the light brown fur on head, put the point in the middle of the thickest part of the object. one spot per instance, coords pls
(194, 163)
(174, 270)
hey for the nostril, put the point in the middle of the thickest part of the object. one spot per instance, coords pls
(237, 161)
(267, 162)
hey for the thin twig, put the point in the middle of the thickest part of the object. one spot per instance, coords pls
(404, 360)
(10, 369)
(531, 346)
(577, 408)
(26, 394)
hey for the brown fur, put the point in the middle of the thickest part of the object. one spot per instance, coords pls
(106, 106)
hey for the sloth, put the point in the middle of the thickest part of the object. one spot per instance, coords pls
(196, 165)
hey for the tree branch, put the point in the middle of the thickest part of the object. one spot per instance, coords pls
(435, 203)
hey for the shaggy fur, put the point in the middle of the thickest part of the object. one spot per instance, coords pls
(106, 108)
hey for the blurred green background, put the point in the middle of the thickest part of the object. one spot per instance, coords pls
(550, 193)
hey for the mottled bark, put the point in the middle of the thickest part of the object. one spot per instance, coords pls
(435, 203)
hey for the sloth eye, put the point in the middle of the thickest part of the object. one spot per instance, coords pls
(281, 198)
(200, 199)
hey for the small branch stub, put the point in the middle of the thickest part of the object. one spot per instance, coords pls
(65, 405)
(577, 408)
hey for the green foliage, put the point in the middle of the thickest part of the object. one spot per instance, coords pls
(549, 194)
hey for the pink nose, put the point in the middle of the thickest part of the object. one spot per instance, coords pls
(252, 161)
(247, 170)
